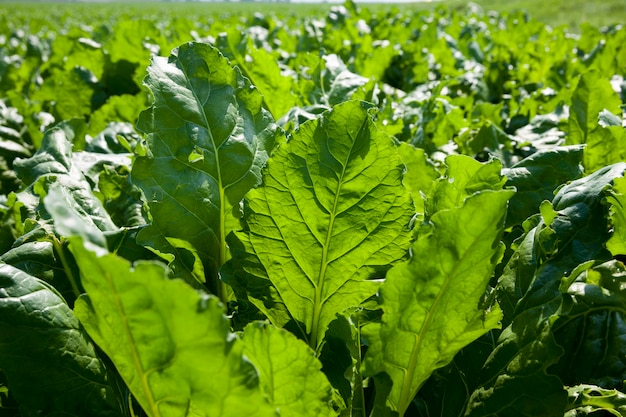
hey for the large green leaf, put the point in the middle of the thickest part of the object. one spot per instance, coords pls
(172, 346)
(208, 137)
(331, 217)
(432, 303)
(289, 373)
(548, 323)
(50, 363)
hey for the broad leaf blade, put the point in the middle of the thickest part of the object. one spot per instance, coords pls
(432, 303)
(289, 373)
(172, 347)
(208, 137)
(331, 216)
(49, 361)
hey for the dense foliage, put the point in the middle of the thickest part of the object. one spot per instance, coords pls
(362, 214)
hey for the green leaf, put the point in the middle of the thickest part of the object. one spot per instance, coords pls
(537, 177)
(420, 174)
(593, 121)
(263, 70)
(208, 138)
(588, 400)
(464, 177)
(518, 384)
(71, 219)
(591, 326)
(331, 217)
(433, 303)
(50, 363)
(342, 357)
(533, 357)
(171, 345)
(617, 200)
(289, 373)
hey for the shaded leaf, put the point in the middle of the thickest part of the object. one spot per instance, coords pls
(50, 363)
(208, 138)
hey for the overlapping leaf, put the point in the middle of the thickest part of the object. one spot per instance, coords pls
(50, 363)
(208, 137)
(331, 216)
(289, 373)
(172, 346)
(432, 303)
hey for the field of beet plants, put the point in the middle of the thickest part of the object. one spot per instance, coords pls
(389, 213)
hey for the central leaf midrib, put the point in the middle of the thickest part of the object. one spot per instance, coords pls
(221, 293)
(143, 374)
(317, 302)
(405, 392)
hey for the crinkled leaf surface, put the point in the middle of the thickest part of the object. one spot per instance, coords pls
(53, 164)
(588, 400)
(420, 173)
(432, 303)
(331, 216)
(208, 137)
(289, 373)
(172, 346)
(464, 177)
(50, 363)
(592, 326)
(538, 176)
(546, 320)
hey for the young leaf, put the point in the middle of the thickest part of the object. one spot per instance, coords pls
(432, 302)
(464, 176)
(592, 96)
(208, 138)
(51, 365)
(332, 216)
(289, 373)
(588, 400)
(172, 346)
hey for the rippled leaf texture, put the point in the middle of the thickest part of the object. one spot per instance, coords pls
(538, 176)
(592, 327)
(54, 164)
(464, 177)
(331, 217)
(432, 303)
(207, 139)
(588, 400)
(172, 346)
(51, 365)
(289, 373)
(537, 352)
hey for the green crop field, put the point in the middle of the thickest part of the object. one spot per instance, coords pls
(339, 210)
